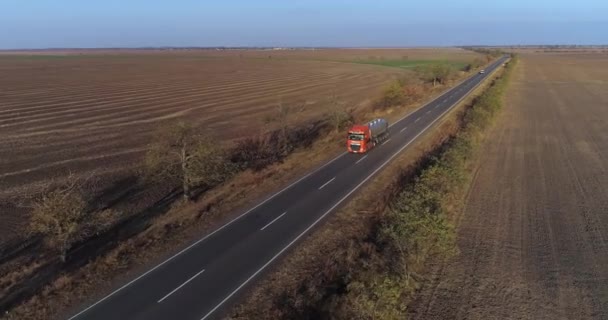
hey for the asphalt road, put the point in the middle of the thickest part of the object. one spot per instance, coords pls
(202, 281)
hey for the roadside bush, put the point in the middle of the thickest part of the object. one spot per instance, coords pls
(259, 151)
(477, 63)
(414, 92)
(393, 95)
(435, 73)
(341, 119)
(377, 297)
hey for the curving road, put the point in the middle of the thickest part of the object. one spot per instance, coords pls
(201, 281)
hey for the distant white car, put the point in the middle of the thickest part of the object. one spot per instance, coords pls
(482, 72)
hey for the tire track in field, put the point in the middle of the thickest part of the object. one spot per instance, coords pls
(173, 83)
(103, 108)
(130, 96)
(159, 111)
(229, 80)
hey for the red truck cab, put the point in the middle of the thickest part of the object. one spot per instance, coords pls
(359, 139)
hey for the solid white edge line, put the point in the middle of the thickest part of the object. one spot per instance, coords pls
(326, 183)
(246, 212)
(183, 284)
(361, 159)
(275, 219)
(336, 204)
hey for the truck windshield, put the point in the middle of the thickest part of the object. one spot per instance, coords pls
(355, 136)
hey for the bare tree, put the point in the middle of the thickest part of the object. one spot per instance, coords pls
(282, 117)
(443, 71)
(181, 152)
(435, 73)
(340, 114)
(62, 216)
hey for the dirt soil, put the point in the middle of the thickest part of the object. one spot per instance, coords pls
(534, 234)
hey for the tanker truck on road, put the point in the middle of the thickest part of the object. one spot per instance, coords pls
(362, 138)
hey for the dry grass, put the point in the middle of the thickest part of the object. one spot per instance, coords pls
(7, 281)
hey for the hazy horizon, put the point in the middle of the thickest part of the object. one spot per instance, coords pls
(45, 24)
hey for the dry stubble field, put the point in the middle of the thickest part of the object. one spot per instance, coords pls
(97, 110)
(534, 234)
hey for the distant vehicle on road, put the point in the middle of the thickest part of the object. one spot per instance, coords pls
(362, 138)
(482, 72)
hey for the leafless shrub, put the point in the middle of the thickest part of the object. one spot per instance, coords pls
(392, 96)
(340, 114)
(259, 151)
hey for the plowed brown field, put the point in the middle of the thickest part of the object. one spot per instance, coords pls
(534, 234)
(96, 110)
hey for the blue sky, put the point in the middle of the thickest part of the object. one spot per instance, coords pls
(136, 23)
